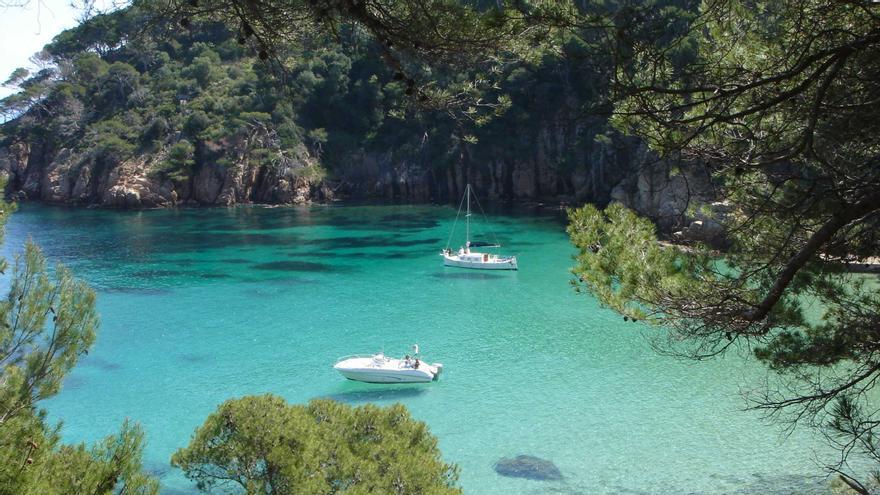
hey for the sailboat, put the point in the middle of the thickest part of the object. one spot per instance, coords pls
(466, 257)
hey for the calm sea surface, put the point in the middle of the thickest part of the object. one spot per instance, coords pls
(201, 305)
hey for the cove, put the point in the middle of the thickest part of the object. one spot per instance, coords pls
(198, 306)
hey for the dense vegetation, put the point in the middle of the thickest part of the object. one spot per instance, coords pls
(264, 445)
(133, 85)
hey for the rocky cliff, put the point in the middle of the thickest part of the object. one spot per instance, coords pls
(618, 169)
(69, 178)
(544, 167)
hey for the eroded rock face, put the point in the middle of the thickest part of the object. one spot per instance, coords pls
(79, 179)
(544, 167)
(13, 162)
(129, 186)
(55, 185)
(529, 467)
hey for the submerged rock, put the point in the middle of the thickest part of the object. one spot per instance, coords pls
(529, 467)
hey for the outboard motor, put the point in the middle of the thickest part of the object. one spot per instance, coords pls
(438, 367)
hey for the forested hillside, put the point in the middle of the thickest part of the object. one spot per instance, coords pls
(138, 112)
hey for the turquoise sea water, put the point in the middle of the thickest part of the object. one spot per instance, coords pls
(198, 306)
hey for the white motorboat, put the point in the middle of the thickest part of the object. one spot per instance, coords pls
(379, 368)
(466, 257)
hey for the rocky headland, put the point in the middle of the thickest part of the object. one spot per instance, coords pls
(175, 118)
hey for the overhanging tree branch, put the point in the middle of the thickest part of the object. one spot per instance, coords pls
(809, 250)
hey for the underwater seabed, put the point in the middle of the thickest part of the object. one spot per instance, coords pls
(198, 306)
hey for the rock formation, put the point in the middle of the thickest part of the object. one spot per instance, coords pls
(616, 169)
(529, 467)
(68, 178)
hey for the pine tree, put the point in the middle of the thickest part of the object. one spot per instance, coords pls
(264, 445)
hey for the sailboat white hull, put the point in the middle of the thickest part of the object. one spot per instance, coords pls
(483, 263)
(465, 257)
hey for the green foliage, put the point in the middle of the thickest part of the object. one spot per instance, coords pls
(116, 86)
(784, 142)
(196, 123)
(205, 68)
(111, 466)
(17, 77)
(316, 139)
(156, 129)
(38, 355)
(264, 445)
(620, 260)
(331, 91)
(178, 164)
(313, 173)
(108, 141)
(89, 68)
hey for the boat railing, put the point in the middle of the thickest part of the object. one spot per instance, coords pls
(353, 356)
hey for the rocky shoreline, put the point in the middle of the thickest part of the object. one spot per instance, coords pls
(629, 175)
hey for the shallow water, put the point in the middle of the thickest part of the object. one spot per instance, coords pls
(198, 306)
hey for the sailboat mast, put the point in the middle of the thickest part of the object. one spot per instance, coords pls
(467, 217)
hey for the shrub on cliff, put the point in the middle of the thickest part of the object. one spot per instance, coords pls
(179, 163)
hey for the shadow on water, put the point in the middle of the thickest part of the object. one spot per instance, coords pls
(360, 242)
(164, 490)
(467, 275)
(378, 395)
(193, 358)
(757, 484)
(74, 382)
(622, 490)
(101, 364)
(563, 488)
(157, 273)
(322, 254)
(189, 241)
(288, 281)
(274, 286)
(299, 266)
(408, 222)
(214, 275)
(733, 485)
(285, 218)
(782, 484)
(357, 254)
(143, 291)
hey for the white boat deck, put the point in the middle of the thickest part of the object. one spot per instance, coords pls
(379, 368)
(466, 258)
